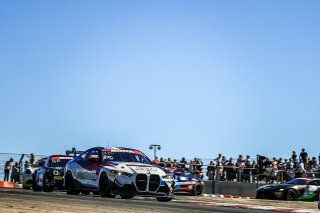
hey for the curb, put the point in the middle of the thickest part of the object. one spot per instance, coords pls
(227, 196)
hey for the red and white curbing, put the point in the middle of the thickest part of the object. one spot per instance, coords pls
(227, 196)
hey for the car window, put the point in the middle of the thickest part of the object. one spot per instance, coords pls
(125, 156)
(58, 161)
(298, 182)
(92, 153)
(315, 182)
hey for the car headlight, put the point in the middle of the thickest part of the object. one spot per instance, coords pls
(56, 172)
(118, 173)
(167, 177)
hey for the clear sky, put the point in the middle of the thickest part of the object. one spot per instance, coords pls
(198, 77)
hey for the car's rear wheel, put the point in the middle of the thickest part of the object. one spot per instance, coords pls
(105, 186)
(292, 195)
(197, 189)
(164, 199)
(69, 185)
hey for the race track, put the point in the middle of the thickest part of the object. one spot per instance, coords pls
(27, 201)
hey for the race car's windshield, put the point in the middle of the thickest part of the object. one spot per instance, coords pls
(59, 161)
(298, 181)
(125, 156)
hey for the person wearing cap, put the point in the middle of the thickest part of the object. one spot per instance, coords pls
(7, 168)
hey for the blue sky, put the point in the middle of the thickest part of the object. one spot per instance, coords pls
(198, 77)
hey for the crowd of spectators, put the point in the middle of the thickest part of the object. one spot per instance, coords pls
(12, 169)
(245, 169)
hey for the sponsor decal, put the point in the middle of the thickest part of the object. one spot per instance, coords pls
(85, 174)
(123, 151)
(61, 158)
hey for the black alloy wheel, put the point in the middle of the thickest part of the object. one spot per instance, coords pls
(105, 186)
(292, 195)
(46, 184)
(35, 187)
(69, 185)
(197, 189)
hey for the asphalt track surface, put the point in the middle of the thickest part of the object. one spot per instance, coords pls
(27, 201)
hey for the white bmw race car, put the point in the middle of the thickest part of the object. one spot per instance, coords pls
(117, 171)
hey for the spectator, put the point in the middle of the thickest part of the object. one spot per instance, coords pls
(303, 156)
(219, 175)
(219, 158)
(32, 159)
(294, 156)
(231, 170)
(224, 160)
(7, 168)
(15, 173)
(254, 173)
(211, 170)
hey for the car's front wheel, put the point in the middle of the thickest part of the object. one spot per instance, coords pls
(292, 195)
(69, 185)
(197, 189)
(105, 186)
(46, 185)
(35, 187)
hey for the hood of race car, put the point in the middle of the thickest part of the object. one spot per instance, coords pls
(141, 168)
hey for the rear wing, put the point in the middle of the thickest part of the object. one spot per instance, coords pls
(73, 152)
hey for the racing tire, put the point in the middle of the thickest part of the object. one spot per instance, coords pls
(258, 196)
(26, 187)
(69, 185)
(105, 186)
(126, 196)
(85, 192)
(164, 199)
(292, 195)
(45, 187)
(197, 189)
(95, 192)
(35, 188)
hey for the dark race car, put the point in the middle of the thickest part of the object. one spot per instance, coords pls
(291, 190)
(186, 182)
(49, 175)
(117, 171)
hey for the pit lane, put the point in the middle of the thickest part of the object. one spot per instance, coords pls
(27, 201)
